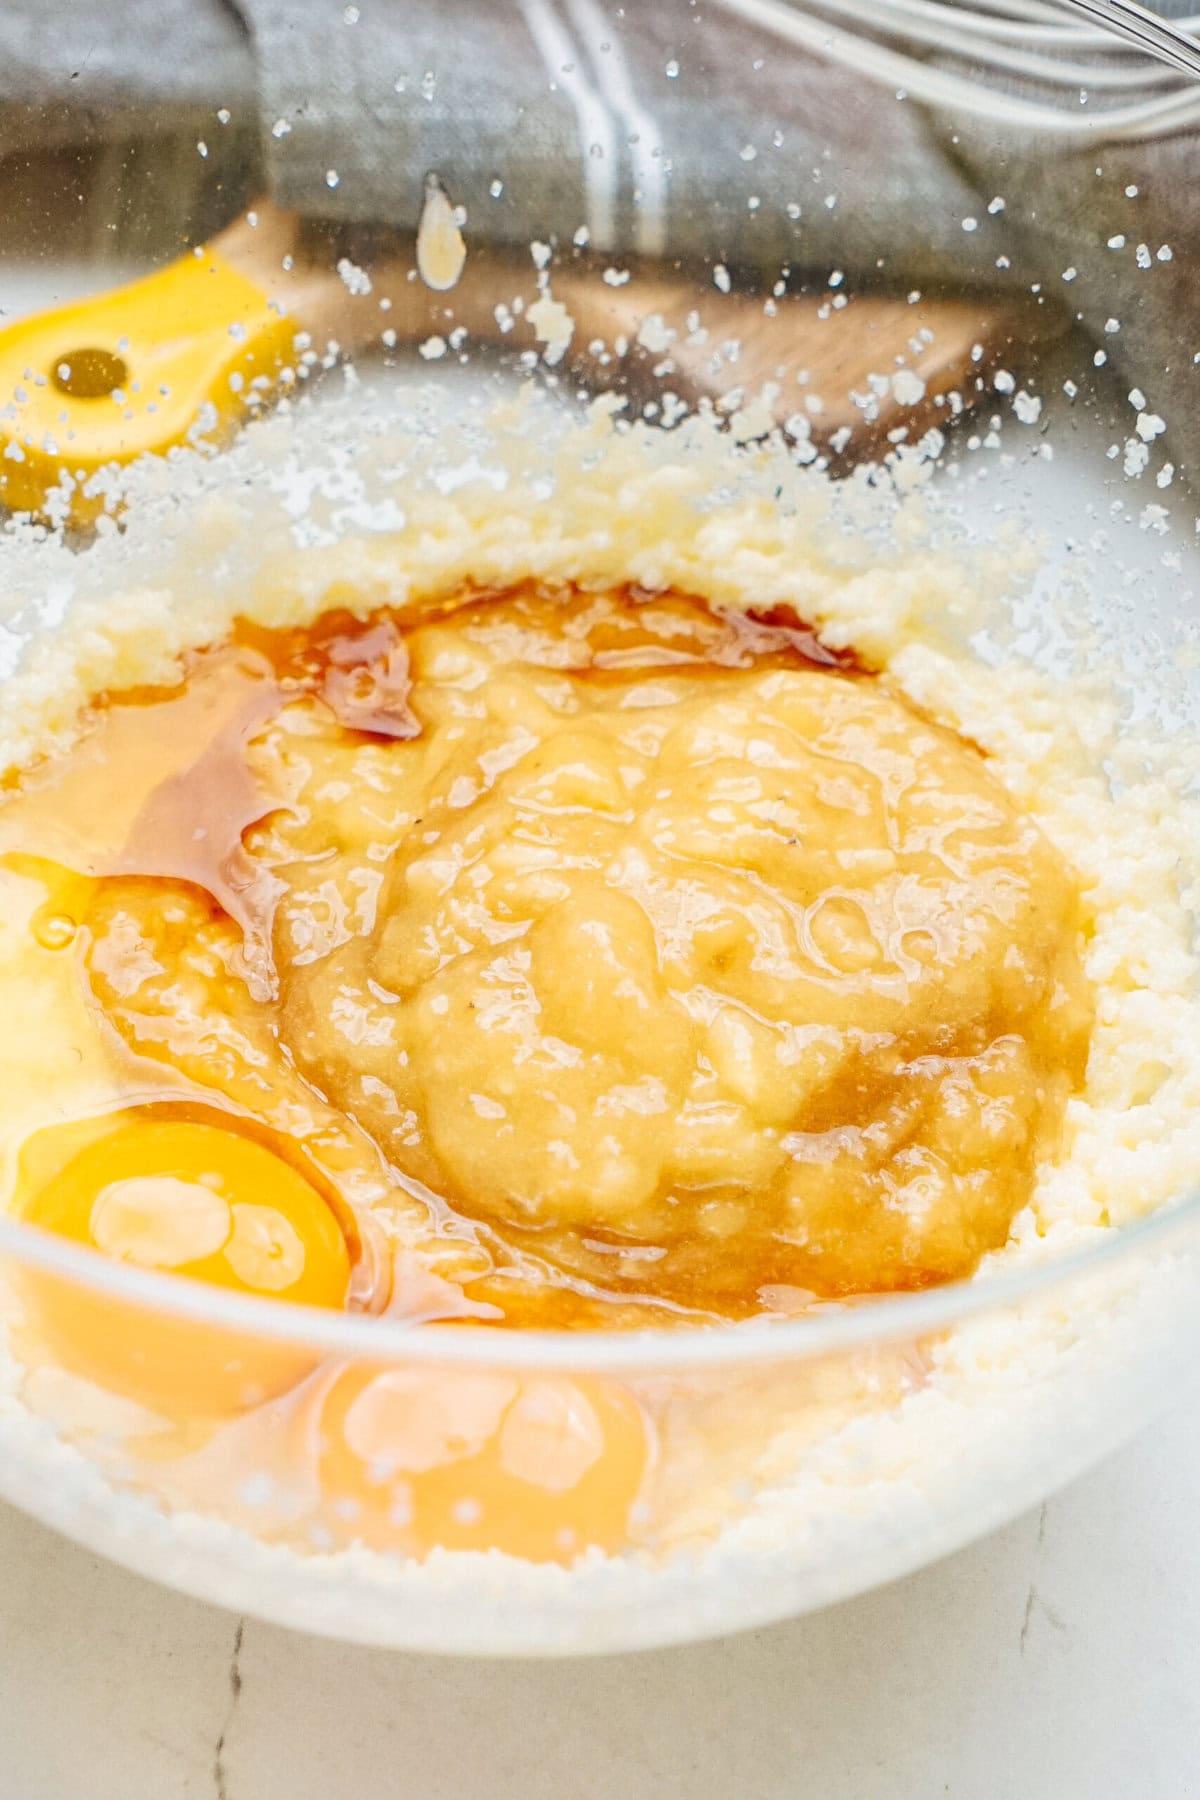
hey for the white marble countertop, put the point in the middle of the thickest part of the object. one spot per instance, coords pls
(1057, 1660)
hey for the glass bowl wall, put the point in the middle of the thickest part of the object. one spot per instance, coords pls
(428, 1488)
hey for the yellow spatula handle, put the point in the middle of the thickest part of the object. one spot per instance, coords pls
(115, 375)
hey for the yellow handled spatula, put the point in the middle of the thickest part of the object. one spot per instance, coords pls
(133, 371)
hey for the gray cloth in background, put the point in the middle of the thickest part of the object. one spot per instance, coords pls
(107, 71)
(647, 161)
(660, 127)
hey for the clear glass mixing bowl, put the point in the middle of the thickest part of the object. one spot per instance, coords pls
(793, 1464)
(771, 1467)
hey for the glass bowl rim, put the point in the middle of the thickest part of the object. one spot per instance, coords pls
(383, 1339)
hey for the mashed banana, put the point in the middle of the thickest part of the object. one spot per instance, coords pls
(697, 979)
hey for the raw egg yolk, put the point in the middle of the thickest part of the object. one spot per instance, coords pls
(540, 1467)
(202, 1202)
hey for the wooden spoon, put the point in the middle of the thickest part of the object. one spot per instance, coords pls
(212, 335)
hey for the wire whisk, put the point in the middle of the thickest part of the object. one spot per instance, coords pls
(1077, 69)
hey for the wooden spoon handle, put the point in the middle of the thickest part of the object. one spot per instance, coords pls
(135, 370)
(854, 369)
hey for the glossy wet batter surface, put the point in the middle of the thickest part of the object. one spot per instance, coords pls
(599, 954)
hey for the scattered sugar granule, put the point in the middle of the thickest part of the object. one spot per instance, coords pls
(655, 335)
(357, 280)
(553, 326)
(907, 387)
